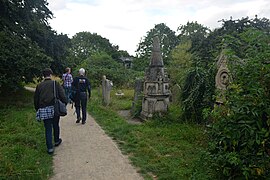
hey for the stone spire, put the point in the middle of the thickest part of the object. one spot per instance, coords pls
(156, 84)
(156, 58)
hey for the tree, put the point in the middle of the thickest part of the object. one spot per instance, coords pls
(168, 41)
(19, 16)
(197, 78)
(60, 44)
(85, 44)
(194, 32)
(180, 63)
(23, 55)
(101, 63)
(21, 60)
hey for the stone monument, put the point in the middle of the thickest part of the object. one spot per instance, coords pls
(156, 84)
(222, 77)
(138, 88)
(106, 90)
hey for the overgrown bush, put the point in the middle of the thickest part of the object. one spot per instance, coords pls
(240, 142)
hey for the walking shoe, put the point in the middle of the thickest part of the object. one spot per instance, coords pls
(50, 151)
(78, 120)
(83, 122)
(58, 143)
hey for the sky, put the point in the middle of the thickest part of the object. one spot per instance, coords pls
(126, 22)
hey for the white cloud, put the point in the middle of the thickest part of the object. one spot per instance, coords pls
(125, 22)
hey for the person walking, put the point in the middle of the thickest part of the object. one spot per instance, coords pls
(44, 100)
(67, 81)
(82, 85)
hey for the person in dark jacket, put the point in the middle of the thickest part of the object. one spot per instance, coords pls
(82, 85)
(44, 104)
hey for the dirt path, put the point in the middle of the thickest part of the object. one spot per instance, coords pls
(87, 153)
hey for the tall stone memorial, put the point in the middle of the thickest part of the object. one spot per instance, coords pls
(156, 84)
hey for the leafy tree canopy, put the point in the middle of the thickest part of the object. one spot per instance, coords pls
(85, 44)
(27, 42)
(194, 32)
(100, 63)
(168, 41)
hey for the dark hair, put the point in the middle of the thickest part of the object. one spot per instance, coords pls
(47, 72)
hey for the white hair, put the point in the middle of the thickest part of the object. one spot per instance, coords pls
(82, 72)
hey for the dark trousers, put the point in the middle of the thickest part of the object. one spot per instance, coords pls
(68, 93)
(81, 102)
(52, 125)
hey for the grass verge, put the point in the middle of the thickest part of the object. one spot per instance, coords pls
(22, 146)
(162, 148)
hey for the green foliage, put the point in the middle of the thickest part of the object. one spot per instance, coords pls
(206, 46)
(86, 44)
(197, 93)
(22, 149)
(168, 41)
(101, 63)
(140, 64)
(21, 60)
(240, 135)
(20, 16)
(194, 32)
(196, 75)
(27, 42)
(181, 59)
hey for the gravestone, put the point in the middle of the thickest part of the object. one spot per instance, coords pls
(106, 90)
(156, 84)
(138, 88)
(222, 77)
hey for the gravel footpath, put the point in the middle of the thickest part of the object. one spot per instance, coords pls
(87, 153)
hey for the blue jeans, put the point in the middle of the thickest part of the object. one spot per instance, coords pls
(68, 93)
(81, 102)
(52, 124)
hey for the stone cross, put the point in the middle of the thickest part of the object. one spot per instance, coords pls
(106, 90)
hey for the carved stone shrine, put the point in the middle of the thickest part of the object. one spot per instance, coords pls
(156, 84)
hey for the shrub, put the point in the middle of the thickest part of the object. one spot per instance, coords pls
(240, 136)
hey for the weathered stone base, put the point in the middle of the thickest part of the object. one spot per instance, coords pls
(150, 106)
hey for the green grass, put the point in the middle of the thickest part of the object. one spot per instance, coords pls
(22, 147)
(162, 148)
(121, 103)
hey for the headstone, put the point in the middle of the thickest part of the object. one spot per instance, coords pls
(138, 88)
(156, 85)
(222, 78)
(106, 90)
